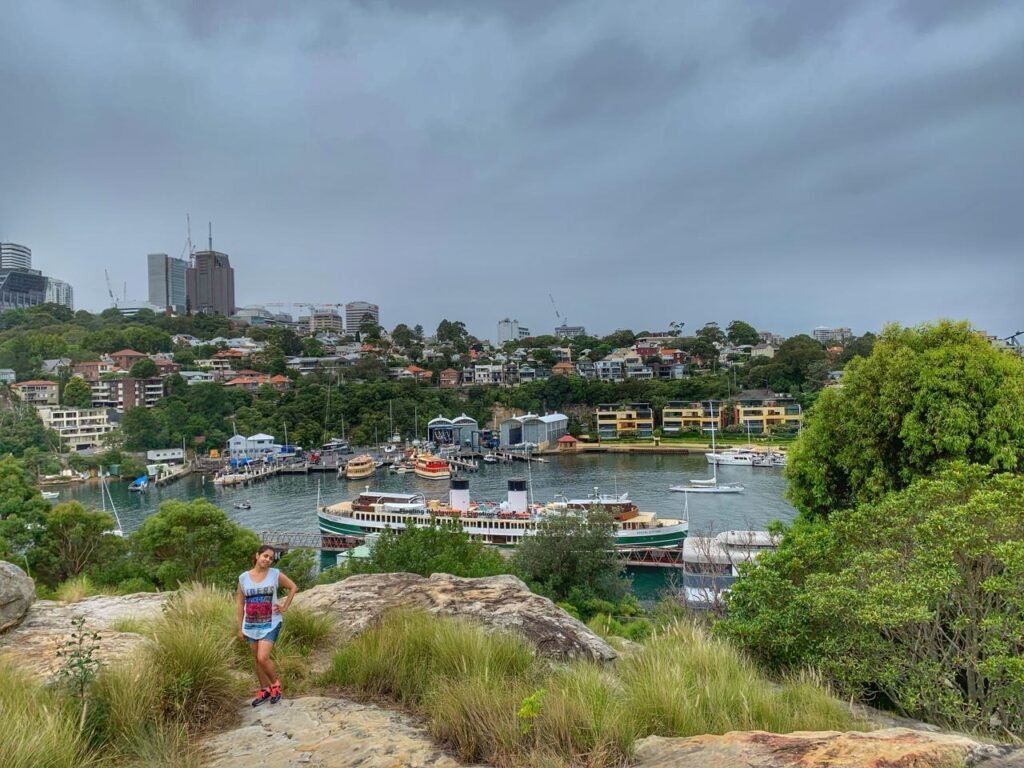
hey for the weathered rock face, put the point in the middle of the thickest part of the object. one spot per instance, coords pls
(327, 733)
(17, 592)
(891, 747)
(497, 603)
(47, 625)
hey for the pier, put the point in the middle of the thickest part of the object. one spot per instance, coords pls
(165, 478)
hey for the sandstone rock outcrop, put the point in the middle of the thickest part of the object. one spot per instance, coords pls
(16, 594)
(497, 603)
(47, 625)
(327, 733)
(807, 749)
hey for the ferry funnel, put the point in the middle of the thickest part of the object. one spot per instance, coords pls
(517, 501)
(458, 494)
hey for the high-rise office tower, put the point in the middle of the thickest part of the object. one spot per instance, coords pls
(14, 256)
(356, 312)
(210, 284)
(167, 282)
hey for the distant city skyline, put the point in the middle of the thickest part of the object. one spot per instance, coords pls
(790, 164)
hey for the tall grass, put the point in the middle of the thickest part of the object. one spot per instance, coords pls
(75, 590)
(686, 683)
(489, 699)
(37, 729)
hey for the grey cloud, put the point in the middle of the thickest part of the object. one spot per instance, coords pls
(786, 27)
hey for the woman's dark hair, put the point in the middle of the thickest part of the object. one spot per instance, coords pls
(261, 550)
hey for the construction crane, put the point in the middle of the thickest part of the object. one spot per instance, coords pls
(562, 320)
(1012, 340)
(110, 290)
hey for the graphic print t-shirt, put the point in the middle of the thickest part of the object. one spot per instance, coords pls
(259, 618)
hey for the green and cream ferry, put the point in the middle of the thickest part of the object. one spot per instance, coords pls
(502, 525)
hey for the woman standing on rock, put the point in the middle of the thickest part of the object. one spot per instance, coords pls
(259, 618)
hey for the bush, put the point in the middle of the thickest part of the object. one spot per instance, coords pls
(38, 729)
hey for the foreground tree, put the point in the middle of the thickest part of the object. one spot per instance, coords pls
(74, 540)
(916, 601)
(572, 558)
(22, 509)
(923, 398)
(192, 541)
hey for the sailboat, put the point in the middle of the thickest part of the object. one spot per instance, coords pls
(104, 496)
(709, 484)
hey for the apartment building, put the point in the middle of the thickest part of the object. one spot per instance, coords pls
(761, 410)
(37, 392)
(488, 374)
(680, 416)
(79, 428)
(124, 393)
(615, 422)
(449, 378)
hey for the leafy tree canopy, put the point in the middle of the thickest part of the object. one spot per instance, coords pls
(917, 599)
(74, 539)
(22, 509)
(77, 393)
(143, 369)
(193, 541)
(739, 332)
(925, 396)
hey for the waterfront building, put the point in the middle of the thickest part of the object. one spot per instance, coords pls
(59, 292)
(7, 376)
(828, 335)
(615, 422)
(356, 312)
(79, 428)
(449, 378)
(15, 256)
(531, 430)
(681, 416)
(570, 331)
(167, 279)
(251, 447)
(210, 283)
(761, 410)
(511, 330)
(37, 391)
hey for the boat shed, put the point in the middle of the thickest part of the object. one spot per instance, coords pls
(467, 431)
(531, 429)
(441, 431)
(250, 447)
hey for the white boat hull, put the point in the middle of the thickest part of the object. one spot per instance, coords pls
(725, 459)
(707, 488)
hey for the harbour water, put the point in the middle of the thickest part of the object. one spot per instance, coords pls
(288, 502)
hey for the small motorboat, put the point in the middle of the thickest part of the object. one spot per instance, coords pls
(243, 504)
(139, 484)
(490, 458)
(50, 495)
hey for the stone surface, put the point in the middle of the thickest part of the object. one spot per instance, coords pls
(47, 625)
(17, 591)
(888, 748)
(326, 733)
(496, 602)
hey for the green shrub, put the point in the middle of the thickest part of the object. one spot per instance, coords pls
(36, 727)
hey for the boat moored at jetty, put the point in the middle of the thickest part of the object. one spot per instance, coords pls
(359, 467)
(711, 563)
(431, 467)
(503, 525)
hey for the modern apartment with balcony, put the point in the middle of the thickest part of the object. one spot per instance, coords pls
(760, 411)
(681, 416)
(79, 428)
(617, 422)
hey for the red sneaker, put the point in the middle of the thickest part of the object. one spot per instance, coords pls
(262, 696)
(275, 692)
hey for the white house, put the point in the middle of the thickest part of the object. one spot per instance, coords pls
(252, 447)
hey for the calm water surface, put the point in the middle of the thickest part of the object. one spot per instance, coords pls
(288, 502)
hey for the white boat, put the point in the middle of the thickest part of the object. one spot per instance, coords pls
(711, 564)
(708, 484)
(741, 457)
(243, 504)
(50, 495)
(490, 458)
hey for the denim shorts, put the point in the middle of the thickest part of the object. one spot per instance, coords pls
(270, 637)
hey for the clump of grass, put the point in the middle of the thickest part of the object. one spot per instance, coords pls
(38, 728)
(408, 652)
(686, 683)
(584, 717)
(75, 590)
(194, 655)
(304, 631)
(133, 625)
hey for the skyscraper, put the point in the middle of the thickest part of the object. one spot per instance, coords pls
(356, 311)
(167, 282)
(14, 256)
(210, 284)
(59, 292)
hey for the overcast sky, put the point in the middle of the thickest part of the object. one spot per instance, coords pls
(791, 164)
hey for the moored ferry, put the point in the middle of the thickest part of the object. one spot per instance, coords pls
(359, 467)
(502, 525)
(431, 467)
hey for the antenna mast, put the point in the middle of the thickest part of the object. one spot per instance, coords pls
(211, 235)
